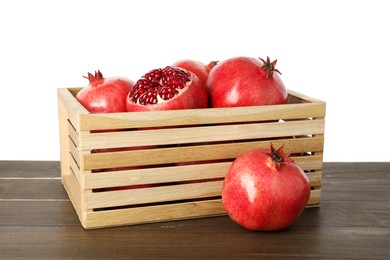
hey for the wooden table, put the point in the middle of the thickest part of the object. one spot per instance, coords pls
(37, 221)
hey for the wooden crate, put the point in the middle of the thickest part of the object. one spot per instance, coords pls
(95, 158)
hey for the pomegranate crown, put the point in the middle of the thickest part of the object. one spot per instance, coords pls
(269, 67)
(92, 78)
(278, 156)
(211, 65)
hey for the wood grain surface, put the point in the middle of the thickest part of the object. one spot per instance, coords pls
(37, 221)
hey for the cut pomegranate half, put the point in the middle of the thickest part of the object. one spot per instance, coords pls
(167, 89)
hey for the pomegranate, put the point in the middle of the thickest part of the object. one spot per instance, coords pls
(245, 81)
(167, 89)
(265, 190)
(105, 95)
(198, 68)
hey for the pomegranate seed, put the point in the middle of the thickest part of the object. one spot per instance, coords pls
(164, 83)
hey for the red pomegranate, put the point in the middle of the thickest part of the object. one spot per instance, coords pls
(105, 95)
(265, 190)
(198, 68)
(245, 81)
(167, 89)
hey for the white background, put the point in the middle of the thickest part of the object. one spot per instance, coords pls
(337, 51)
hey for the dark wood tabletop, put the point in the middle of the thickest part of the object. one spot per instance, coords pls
(38, 221)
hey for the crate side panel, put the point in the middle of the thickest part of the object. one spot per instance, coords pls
(301, 110)
(63, 134)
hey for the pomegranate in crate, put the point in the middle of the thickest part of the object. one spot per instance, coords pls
(105, 95)
(167, 89)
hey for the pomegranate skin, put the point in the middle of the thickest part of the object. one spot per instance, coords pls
(105, 95)
(241, 81)
(198, 68)
(260, 196)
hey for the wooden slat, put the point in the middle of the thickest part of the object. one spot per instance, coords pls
(195, 153)
(63, 116)
(315, 178)
(305, 98)
(201, 116)
(154, 194)
(312, 162)
(156, 175)
(315, 198)
(74, 152)
(199, 134)
(155, 214)
(73, 134)
(74, 192)
(76, 171)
